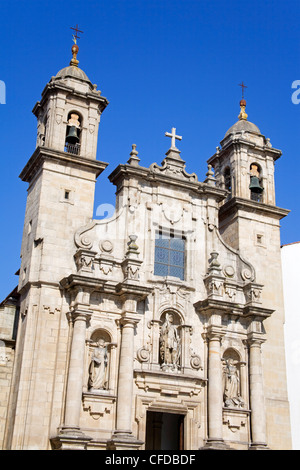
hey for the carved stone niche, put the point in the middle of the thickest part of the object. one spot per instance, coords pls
(99, 361)
(170, 342)
(233, 380)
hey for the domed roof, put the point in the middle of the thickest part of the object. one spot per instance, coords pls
(243, 125)
(72, 72)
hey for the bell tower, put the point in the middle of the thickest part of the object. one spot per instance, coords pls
(249, 221)
(244, 165)
(61, 176)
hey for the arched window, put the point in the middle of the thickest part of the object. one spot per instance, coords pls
(72, 144)
(256, 188)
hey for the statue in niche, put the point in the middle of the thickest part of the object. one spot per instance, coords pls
(98, 367)
(169, 344)
(232, 397)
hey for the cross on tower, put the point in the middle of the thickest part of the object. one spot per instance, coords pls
(75, 36)
(243, 86)
(173, 137)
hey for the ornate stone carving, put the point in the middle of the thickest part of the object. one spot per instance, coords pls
(173, 166)
(106, 246)
(81, 239)
(215, 287)
(196, 362)
(229, 271)
(235, 423)
(131, 264)
(230, 291)
(246, 274)
(253, 293)
(106, 264)
(98, 405)
(85, 260)
(143, 354)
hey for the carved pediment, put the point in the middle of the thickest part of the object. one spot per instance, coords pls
(173, 166)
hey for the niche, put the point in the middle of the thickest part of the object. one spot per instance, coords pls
(99, 361)
(170, 342)
(232, 390)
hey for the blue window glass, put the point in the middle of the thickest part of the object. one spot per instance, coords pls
(169, 256)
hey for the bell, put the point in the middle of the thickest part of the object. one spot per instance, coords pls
(72, 137)
(254, 185)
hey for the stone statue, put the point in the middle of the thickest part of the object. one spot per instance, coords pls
(232, 396)
(169, 344)
(98, 367)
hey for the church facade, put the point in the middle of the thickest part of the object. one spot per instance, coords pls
(162, 326)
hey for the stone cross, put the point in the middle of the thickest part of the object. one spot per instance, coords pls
(173, 137)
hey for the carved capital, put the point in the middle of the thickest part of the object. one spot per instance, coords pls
(81, 315)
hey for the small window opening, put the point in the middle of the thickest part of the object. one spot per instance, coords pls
(259, 239)
(67, 195)
(227, 181)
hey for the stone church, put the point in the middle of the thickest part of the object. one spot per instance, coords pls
(161, 327)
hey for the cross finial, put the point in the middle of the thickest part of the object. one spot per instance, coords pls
(173, 137)
(243, 86)
(75, 36)
(75, 47)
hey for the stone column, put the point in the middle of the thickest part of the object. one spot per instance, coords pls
(215, 389)
(70, 436)
(123, 437)
(76, 369)
(257, 405)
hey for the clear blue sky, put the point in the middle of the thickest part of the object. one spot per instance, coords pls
(161, 64)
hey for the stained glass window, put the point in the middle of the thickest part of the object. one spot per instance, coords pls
(169, 255)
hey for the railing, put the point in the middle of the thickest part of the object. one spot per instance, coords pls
(258, 197)
(72, 148)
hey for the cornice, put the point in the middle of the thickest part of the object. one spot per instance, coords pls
(124, 171)
(263, 149)
(238, 203)
(121, 289)
(53, 87)
(41, 154)
(211, 306)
